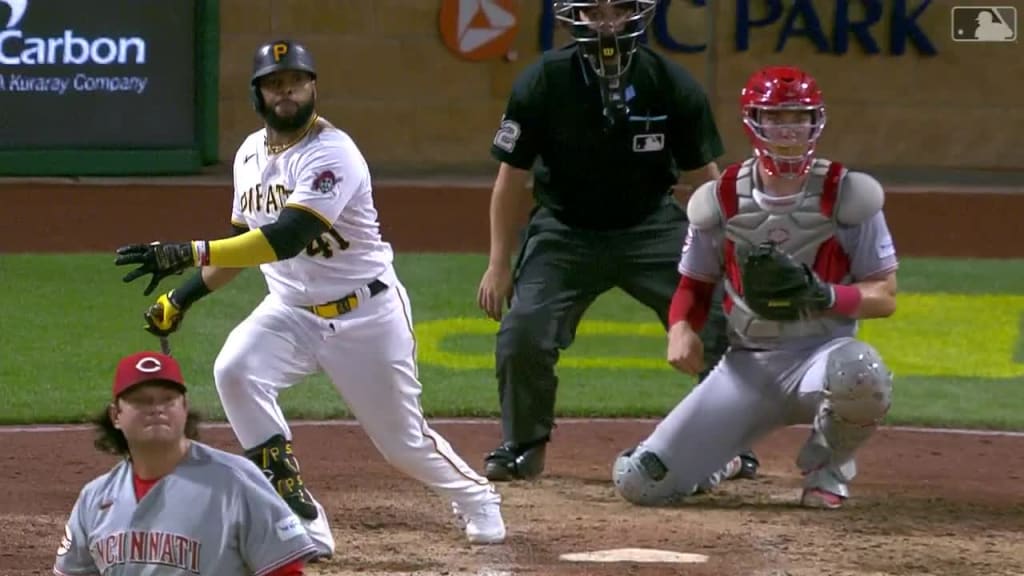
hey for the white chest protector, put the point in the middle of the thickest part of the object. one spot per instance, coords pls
(801, 224)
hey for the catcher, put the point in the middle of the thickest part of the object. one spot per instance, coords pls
(805, 252)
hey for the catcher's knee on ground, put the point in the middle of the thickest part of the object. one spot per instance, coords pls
(642, 478)
(858, 395)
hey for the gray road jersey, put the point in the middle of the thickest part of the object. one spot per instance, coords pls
(216, 514)
(868, 246)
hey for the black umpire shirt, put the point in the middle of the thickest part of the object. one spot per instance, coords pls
(592, 176)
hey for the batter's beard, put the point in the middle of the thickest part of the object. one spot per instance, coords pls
(291, 123)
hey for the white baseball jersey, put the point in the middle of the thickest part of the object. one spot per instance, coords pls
(216, 514)
(326, 175)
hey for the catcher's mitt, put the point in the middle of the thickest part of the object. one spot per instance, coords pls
(777, 287)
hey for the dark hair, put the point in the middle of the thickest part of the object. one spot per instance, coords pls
(110, 440)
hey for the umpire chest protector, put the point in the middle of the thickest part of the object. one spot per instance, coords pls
(803, 225)
(595, 174)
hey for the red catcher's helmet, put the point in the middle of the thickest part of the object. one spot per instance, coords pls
(784, 149)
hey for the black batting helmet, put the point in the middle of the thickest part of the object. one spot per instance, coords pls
(278, 55)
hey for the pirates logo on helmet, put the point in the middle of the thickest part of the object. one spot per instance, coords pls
(274, 56)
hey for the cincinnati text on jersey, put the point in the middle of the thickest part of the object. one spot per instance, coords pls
(140, 547)
(269, 201)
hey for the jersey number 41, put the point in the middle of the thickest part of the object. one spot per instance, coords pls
(326, 243)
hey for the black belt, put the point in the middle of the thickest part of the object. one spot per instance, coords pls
(345, 304)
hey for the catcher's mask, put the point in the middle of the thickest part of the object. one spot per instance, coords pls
(783, 116)
(274, 56)
(608, 32)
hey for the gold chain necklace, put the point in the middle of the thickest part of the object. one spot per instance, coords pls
(278, 148)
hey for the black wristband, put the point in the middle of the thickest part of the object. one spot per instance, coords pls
(189, 292)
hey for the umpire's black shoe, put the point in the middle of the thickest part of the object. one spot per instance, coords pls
(749, 466)
(511, 462)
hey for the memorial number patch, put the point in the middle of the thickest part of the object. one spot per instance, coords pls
(507, 135)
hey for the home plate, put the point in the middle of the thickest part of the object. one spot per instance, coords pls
(635, 555)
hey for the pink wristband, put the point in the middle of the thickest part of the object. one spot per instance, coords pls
(847, 299)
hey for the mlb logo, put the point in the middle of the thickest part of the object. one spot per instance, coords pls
(648, 142)
(984, 23)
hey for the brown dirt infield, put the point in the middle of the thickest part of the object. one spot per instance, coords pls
(925, 503)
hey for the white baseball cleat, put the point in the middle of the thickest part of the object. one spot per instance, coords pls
(483, 526)
(320, 533)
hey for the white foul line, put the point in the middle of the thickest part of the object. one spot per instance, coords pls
(482, 421)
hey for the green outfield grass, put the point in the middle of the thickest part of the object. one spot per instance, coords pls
(955, 343)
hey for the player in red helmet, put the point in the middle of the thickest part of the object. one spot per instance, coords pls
(783, 115)
(805, 253)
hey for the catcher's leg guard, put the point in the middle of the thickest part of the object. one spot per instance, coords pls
(642, 478)
(277, 460)
(858, 394)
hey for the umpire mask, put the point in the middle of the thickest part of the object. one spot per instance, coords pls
(608, 32)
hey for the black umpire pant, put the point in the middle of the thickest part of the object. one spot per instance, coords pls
(559, 273)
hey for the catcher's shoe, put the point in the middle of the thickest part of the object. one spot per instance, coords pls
(749, 467)
(728, 472)
(821, 499)
(483, 525)
(510, 462)
(278, 462)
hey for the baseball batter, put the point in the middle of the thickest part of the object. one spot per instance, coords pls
(304, 213)
(805, 253)
(174, 506)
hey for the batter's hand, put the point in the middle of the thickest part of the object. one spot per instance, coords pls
(164, 317)
(495, 291)
(685, 349)
(160, 260)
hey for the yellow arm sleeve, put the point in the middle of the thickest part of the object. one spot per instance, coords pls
(243, 251)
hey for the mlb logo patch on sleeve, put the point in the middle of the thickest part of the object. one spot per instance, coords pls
(289, 528)
(885, 247)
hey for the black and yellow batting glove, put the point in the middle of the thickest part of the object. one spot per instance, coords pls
(160, 260)
(164, 317)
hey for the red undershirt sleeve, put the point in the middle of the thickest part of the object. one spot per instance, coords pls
(691, 302)
(293, 569)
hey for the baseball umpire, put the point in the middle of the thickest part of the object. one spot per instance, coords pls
(173, 504)
(614, 128)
